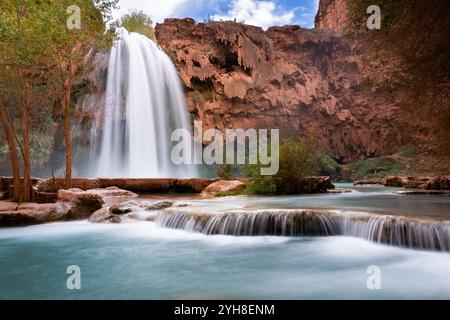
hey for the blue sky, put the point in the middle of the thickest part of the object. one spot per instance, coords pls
(263, 13)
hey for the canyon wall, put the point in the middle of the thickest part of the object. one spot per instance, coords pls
(332, 14)
(298, 80)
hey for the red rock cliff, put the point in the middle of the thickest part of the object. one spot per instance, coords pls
(332, 14)
(300, 81)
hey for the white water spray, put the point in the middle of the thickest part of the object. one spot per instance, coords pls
(144, 103)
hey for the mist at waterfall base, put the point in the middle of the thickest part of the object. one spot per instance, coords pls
(133, 121)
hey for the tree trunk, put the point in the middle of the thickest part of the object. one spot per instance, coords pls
(68, 83)
(27, 189)
(4, 118)
(67, 138)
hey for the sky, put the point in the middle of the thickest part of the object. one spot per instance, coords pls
(262, 13)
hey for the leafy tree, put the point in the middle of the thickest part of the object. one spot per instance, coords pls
(40, 55)
(69, 47)
(23, 63)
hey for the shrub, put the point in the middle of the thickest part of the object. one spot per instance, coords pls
(298, 159)
(224, 171)
(375, 167)
(138, 21)
(329, 167)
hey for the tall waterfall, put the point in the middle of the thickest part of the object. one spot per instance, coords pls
(143, 104)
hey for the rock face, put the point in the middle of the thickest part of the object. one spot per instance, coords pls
(332, 14)
(223, 186)
(297, 80)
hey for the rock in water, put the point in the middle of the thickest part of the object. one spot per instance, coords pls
(75, 204)
(118, 213)
(223, 186)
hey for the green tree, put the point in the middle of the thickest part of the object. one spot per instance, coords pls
(23, 63)
(68, 48)
(38, 53)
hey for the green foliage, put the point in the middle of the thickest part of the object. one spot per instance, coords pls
(329, 167)
(407, 151)
(298, 159)
(224, 171)
(140, 22)
(37, 51)
(375, 167)
(229, 193)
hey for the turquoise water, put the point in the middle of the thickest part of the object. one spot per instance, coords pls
(141, 260)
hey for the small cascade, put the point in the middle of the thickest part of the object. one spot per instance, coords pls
(384, 229)
(399, 231)
(252, 223)
(272, 222)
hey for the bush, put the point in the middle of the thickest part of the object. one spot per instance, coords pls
(138, 21)
(329, 167)
(224, 171)
(375, 167)
(298, 159)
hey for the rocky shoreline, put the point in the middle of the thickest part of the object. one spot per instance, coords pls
(52, 202)
(410, 182)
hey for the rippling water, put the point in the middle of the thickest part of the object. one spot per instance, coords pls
(144, 261)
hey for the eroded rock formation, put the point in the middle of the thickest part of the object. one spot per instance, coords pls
(332, 14)
(299, 81)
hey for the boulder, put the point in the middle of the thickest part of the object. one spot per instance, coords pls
(75, 204)
(315, 184)
(130, 206)
(12, 215)
(436, 183)
(119, 212)
(103, 215)
(231, 186)
(396, 181)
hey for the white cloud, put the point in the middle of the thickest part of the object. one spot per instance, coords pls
(157, 9)
(258, 13)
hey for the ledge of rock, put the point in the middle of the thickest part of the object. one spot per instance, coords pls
(26, 214)
(119, 212)
(423, 183)
(72, 204)
(368, 181)
(153, 185)
(223, 186)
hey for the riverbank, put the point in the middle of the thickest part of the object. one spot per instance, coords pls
(189, 246)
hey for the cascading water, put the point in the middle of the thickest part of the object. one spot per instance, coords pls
(143, 104)
(386, 229)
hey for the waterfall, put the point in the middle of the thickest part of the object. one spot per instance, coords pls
(384, 229)
(143, 104)
(251, 223)
(399, 231)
